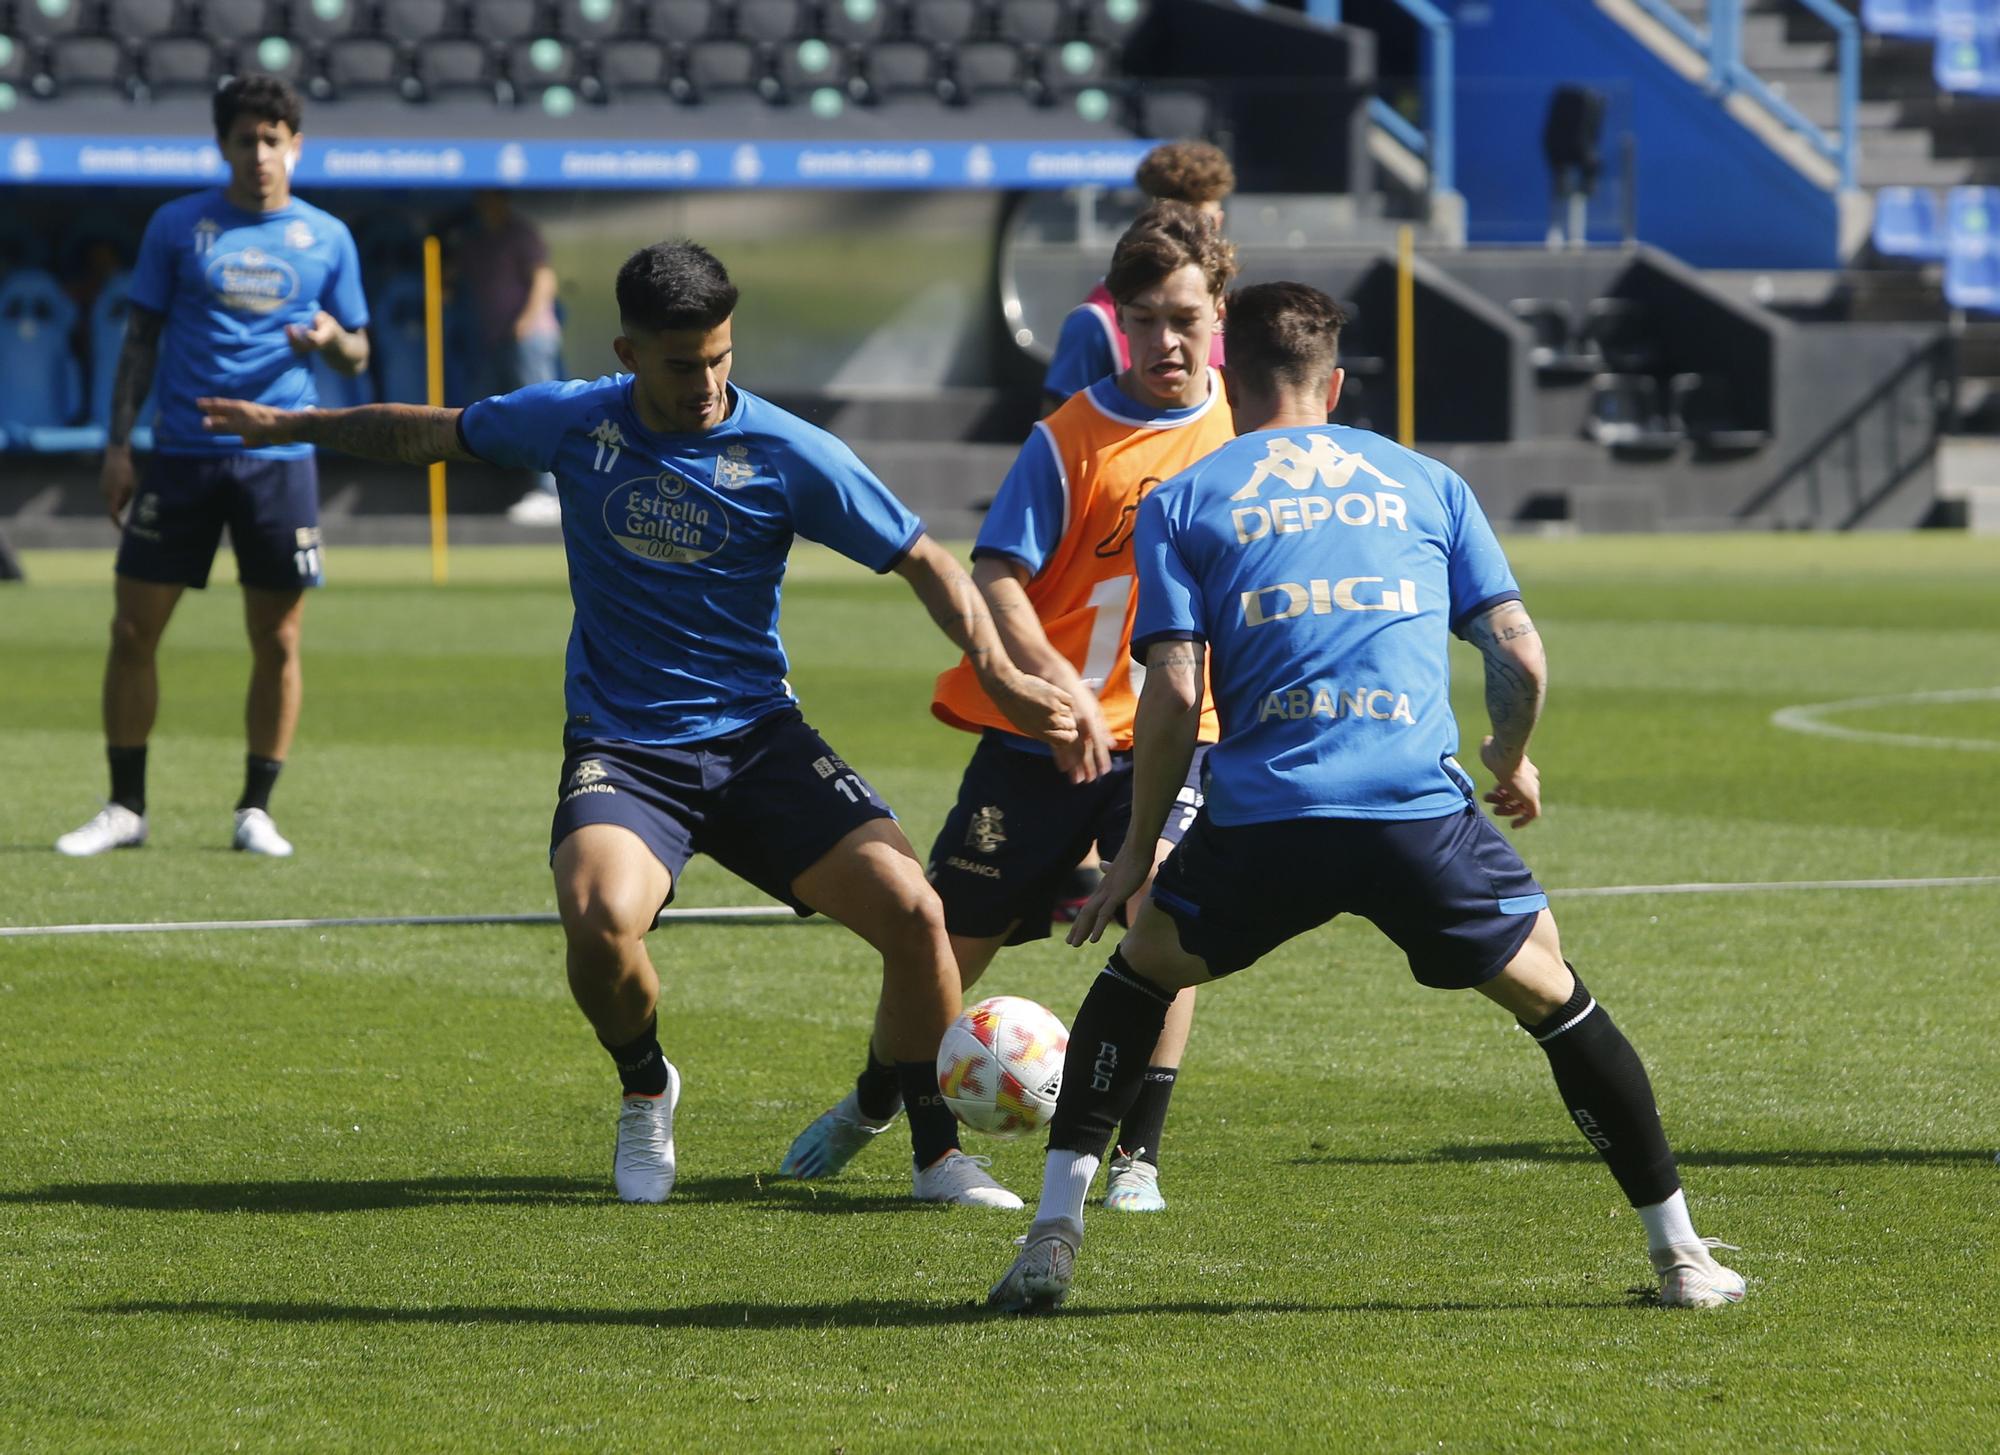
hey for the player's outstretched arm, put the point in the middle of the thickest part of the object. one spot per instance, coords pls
(413, 434)
(1517, 681)
(1038, 708)
(137, 360)
(1002, 582)
(1165, 728)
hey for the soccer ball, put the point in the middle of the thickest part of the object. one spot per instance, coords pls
(1000, 1066)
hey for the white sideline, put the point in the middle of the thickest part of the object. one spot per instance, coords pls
(776, 913)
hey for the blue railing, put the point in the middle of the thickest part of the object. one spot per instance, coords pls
(1433, 141)
(1721, 43)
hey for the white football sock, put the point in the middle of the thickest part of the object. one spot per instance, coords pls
(1065, 1185)
(1668, 1223)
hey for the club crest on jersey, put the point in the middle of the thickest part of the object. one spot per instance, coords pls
(299, 236)
(985, 832)
(734, 469)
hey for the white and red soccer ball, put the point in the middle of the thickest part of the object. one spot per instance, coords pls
(1000, 1066)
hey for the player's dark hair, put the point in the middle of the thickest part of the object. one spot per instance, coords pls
(265, 97)
(672, 286)
(1285, 335)
(1162, 240)
(1186, 171)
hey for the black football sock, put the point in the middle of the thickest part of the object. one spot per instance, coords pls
(1116, 1028)
(933, 1129)
(128, 777)
(260, 776)
(1605, 1090)
(876, 1090)
(1140, 1134)
(642, 1066)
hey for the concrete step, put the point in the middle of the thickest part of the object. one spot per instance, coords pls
(1897, 172)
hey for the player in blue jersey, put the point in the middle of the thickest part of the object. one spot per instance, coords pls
(681, 495)
(235, 289)
(1320, 571)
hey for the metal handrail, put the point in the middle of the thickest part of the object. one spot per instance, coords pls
(1720, 42)
(1436, 142)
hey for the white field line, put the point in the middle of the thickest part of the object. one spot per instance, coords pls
(1806, 719)
(778, 913)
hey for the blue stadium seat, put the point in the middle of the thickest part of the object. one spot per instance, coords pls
(1912, 19)
(107, 340)
(1969, 64)
(44, 385)
(338, 390)
(1972, 249)
(1909, 223)
(1968, 17)
(396, 333)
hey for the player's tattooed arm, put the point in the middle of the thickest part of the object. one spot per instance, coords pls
(413, 434)
(1037, 707)
(1517, 680)
(137, 361)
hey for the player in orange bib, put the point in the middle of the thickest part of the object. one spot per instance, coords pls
(1054, 561)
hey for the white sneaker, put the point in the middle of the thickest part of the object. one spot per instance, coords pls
(114, 827)
(1133, 1186)
(643, 1166)
(1691, 1278)
(537, 507)
(1040, 1277)
(256, 834)
(830, 1143)
(961, 1181)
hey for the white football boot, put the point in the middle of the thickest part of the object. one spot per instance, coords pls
(1133, 1185)
(830, 1143)
(256, 834)
(643, 1166)
(1040, 1277)
(114, 827)
(961, 1181)
(1691, 1278)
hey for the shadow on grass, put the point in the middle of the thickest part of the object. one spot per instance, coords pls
(383, 1194)
(851, 1313)
(1550, 1152)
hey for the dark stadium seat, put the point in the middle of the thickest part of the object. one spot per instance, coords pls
(1111, 20)
(180, 63)
(17, 67)
(1037, 22)
(597, 20)
(719, 67)
(549, 74)
(984, 67)
(239, 20)
(771, 22)
(1077, 65)
(47, 19)
(412, 21)
(808, 65)
(685, 21)
(857, 22)
(318, 21)
(275, 55)
(1173, 113)
(453, 67)
(142, 19)
(504, 21)
(944, 22)
(898, 69)
(1556, 351)
(1626, 414)
(362, 66)
(1616, 329)
(1704, 404)
(635, 68)
(86, 63)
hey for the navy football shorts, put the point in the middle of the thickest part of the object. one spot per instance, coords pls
(765, 802)
(1451, 892)
(1019, 827)
(271, 508)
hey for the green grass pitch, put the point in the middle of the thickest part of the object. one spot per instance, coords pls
(347, 1190)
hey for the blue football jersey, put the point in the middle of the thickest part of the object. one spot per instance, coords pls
(677, 547)
(1324, 568)
(228, 282)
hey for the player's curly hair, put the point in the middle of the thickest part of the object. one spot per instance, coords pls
(673, 286)
(1284, 334)
(1186, 171)
(265, 97)
(1162, 240)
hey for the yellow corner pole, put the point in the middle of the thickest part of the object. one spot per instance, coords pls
(434, 371)
(1406, 335)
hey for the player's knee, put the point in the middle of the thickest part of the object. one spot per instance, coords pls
(911, 922)
(277, 647)
(132, 639)
(599, 926)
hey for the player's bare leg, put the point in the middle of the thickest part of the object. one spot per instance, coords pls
(872, 882)
(272, 620)
(131, 701)
(1606, 1091)
(609, 889)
